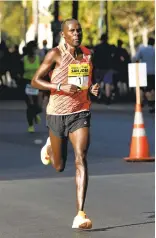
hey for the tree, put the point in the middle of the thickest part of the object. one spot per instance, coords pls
(132, 21)
(13, 20)
(88, 16)
(135, 19)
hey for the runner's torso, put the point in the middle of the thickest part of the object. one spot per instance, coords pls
(30, 67)
(71, 71)
(29, 71)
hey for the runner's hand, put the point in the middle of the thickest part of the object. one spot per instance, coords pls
(69, 88)
(95, 89)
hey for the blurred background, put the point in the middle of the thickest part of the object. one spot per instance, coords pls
(36, 201)
(125, 24)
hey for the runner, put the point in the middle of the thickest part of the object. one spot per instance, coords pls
(31, 63)
(146, 54)
(68, 110)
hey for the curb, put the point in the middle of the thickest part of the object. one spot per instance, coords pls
(20, 105)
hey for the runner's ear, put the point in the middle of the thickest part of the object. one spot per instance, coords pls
(62, 34)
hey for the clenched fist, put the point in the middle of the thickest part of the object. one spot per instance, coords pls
(69, 88)
(95, 89)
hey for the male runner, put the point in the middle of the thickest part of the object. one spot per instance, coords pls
(68, 110)
(146, 54)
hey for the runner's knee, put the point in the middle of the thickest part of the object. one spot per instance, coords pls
(59, 167)
(80, 157)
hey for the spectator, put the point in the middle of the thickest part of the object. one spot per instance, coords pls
(102, 60)
(147, 55)
(31, 63)
(4, 61)
(43, 51)
(24, 51)
(121, 60)
(15, 64)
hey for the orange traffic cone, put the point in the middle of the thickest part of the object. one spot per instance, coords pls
(139, 149)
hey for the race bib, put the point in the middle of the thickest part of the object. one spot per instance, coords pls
(31, 91)
(78, 74)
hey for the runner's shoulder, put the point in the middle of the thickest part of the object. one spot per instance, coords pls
(53, 54)
(85, 50)
(54, 51)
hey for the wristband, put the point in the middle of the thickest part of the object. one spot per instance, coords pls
(58, 87)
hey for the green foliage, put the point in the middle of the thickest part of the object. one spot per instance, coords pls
(88, 17)
(121, 16)
(65, 10)
(13, 20)
(131, 14)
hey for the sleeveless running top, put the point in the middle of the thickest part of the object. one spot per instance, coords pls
(30, 68)
(71, 71)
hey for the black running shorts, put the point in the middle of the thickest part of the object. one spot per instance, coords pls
(64, 124)
(150, 84)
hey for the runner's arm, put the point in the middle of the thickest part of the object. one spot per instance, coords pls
(38, 79)
(94, 88)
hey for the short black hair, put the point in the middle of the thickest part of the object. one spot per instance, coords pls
(31, 44)
(151, 41)
(66, 22)
(120, 42)
(104, 37)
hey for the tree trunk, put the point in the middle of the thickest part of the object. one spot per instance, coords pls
(131, 42)
(75, 9)
(145, 36)
(35, 18)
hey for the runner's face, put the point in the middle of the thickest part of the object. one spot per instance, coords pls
(73, 33)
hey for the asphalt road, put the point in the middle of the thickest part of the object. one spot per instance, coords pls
(37, 202)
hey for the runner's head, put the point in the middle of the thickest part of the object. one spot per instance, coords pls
(72, 32)
(151, 41)
(31, 48)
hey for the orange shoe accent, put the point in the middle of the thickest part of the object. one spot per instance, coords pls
(82, 214)
(139, 149)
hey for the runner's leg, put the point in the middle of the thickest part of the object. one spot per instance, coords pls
(29, 111)
(80, 142)
(57, 151)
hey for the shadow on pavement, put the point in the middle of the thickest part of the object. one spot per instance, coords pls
(119, 226)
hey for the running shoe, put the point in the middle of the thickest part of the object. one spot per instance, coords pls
(44, 155)
(31, 129)
(82, 221)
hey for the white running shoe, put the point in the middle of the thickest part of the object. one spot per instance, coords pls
(44, 160)
(82, 221)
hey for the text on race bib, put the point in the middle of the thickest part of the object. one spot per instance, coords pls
(78, 74)
(31, 91)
